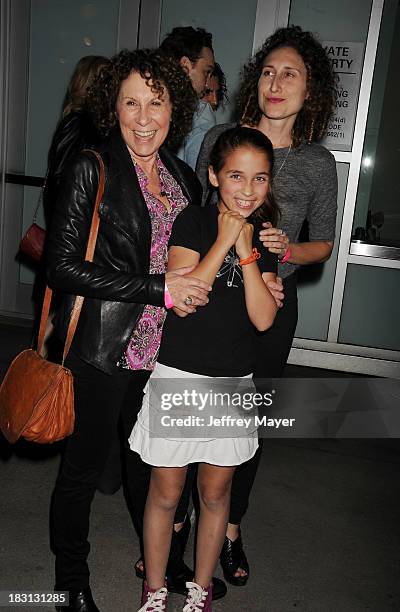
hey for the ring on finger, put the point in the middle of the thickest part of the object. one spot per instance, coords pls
(188, 301)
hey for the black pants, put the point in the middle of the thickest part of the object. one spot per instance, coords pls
(273, 347)
(100, 399)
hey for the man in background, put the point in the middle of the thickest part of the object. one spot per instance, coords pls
(192, 48)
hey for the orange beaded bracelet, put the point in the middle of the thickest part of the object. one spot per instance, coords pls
(256, 255)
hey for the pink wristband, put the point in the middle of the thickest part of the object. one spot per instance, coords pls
(167, 298)
(286, 255)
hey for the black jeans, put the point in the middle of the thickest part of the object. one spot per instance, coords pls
(272, 351)
(100, 400)
(273, 346)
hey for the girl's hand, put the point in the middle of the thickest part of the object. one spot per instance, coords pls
(244, 243)
(276, 288)
(274, 239)
(229, 227)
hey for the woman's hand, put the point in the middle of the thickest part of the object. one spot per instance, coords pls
(230, 225)
(244, 243)
(274, 239)
(182, 287)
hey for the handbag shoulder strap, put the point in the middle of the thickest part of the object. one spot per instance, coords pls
(76, 310)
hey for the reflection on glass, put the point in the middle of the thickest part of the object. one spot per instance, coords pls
(377, 216)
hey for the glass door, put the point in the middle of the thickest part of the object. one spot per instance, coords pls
(372, 290)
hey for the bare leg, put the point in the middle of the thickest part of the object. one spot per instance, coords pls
(166, 486)
(214, 484)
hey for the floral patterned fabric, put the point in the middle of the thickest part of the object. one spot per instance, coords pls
(142, 350)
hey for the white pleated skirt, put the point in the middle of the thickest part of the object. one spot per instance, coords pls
(169, 452)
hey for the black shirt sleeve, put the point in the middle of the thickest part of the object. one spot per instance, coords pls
(186, 231)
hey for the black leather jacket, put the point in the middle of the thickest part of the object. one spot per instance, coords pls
(117, 284)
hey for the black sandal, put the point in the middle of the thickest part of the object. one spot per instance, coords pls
(232, 558)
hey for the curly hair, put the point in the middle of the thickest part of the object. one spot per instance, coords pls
(312, 120)
(159, 72)
(186, 41)
(232, 140)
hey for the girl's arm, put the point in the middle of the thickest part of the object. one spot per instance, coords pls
(229, 227)
(260, 304)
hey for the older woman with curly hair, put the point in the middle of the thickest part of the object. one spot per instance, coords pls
(288, 92)
(140, 101)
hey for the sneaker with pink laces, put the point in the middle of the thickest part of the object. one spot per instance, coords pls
(154, 600)
(198, 599)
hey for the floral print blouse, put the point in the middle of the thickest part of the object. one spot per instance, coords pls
(142, 350)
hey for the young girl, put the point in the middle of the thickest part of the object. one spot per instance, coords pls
(221, 244)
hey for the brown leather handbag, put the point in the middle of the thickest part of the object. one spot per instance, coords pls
(37, 396)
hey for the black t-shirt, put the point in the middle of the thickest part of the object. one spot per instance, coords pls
(218, 339)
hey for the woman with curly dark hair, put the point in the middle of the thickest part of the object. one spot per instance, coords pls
(287, 92)
(141, 100)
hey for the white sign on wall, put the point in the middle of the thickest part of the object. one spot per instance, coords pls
(346, 60)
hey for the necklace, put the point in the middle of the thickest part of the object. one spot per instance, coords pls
(284, 161)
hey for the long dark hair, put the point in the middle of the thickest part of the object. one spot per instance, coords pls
(234, 139)
(86, 71)
(312, 120)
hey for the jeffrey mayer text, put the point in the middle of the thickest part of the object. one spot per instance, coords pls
(225, 421)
